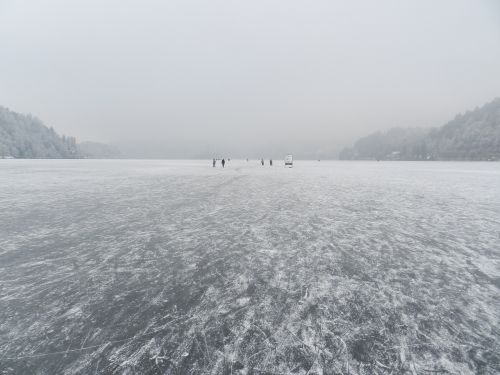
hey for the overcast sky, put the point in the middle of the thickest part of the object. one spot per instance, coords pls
(246, 77)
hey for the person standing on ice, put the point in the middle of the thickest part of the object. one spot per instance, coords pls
(271, 162)
(213, 163)
(223, 163)
(262, 161)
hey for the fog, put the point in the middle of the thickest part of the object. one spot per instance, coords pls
(254, 78)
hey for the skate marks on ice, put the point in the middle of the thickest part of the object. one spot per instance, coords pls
(165, 267)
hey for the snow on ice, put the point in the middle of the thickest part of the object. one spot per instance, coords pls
(175, 267)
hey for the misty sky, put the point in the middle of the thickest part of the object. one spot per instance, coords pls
(183, 78)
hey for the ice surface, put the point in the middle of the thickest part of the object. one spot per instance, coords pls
(176, 267)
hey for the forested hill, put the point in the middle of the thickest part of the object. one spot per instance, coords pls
(24, 136)
(474, 135)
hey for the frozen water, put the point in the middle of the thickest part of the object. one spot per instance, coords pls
(176, 267)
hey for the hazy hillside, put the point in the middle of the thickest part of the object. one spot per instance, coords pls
(96, 150)
(24, 136)
(474, 135)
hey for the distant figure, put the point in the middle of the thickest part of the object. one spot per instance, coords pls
(262, 161)
(223, 163)
(247, 160)
(213, 163)
(271, 162)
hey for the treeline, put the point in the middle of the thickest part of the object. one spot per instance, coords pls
(474, 135)
(25, 136)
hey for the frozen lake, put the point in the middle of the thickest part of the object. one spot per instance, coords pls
(174, 267)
